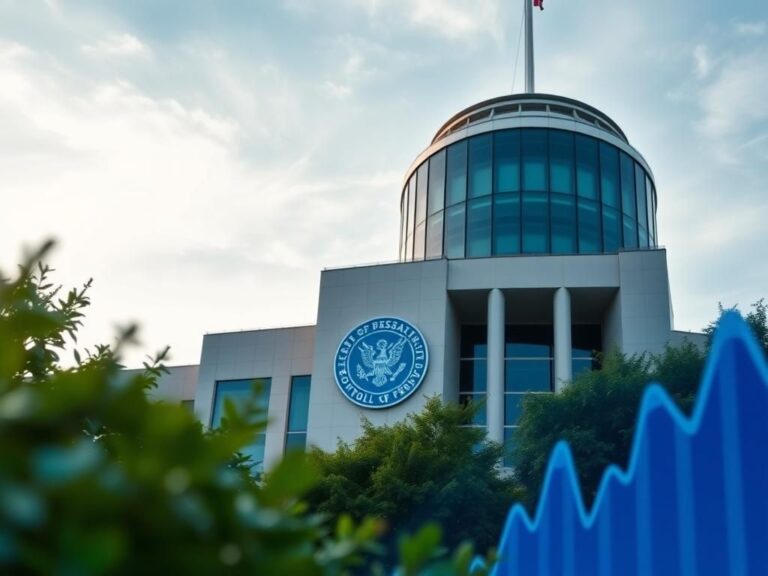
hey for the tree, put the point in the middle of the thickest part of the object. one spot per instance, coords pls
(96, 478)
(429, 467)
(597, 414)
(756, 318)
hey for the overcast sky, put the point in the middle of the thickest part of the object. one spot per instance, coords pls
(203, 161)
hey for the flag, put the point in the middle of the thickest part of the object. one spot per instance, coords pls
(539, 3)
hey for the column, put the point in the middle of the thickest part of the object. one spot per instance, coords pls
(495, 382)
(563, 349)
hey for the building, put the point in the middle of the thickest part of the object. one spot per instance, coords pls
(528, 243)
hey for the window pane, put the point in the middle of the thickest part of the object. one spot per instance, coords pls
(421, 193)
(642, 234)
(586, 167)
(589, 227)
(479, 228)
(611, 230)
(298, 410)
(586, 339)
(513, 408)
(480, 415)
(418, 242)
(563, 224)
(242, 393)
(506, 224)
(506, 151)
(435, 236)
(436, 182)
(561, 161)
(473, 341)
(528, 341)
(456, 173)
(535, 222)
(411, 204)
(628, 186)
(609, 175)
(296, 442)
(581, 365)
(409, 247)
(630, 232)
(528, 375)
(472, 377)
(534, 143)
(642, 209)
(649, 203)
(454, 231)
(509, 445)
(480, 165)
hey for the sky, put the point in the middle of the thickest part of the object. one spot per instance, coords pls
(203, 161)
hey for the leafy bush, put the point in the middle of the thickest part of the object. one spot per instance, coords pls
(95, 478)
(429, 467)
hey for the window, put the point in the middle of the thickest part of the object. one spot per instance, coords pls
(642, 207)
(480, 165)
(473, 370)
(563, 224)
(586, 343)
(436, 182)
(456, 173)
(435, 236)
(298, 413)
(561, 162)
(506, 151)
(609, 175)
(479, 228)
(535, 222)
(244, 394)
(421, 193)
(506, 223)
(628, 202)
(586, 167)
(534, 160)
(589, 227)
(454, 231)
(528, 363)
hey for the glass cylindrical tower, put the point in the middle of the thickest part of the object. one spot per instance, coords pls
(527, 174)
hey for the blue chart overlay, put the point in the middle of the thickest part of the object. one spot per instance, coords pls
(693, 501)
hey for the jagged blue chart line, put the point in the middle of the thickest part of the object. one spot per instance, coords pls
(693, 500)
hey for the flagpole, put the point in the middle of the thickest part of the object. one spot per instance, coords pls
(529, 88)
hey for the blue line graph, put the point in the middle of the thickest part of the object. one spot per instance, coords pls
(693, 500)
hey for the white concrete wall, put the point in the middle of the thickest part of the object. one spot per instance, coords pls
(645, 311)
(178, 385)
(278, 354)
(415, 292)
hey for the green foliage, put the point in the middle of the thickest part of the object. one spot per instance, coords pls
(597, 414)
(95, 478)
(757, 320)
(429, 467)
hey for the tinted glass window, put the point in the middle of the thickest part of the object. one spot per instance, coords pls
(456, 173)
(454, 231)
(506, 224)
(628, 186)
(243, 393)
(630, 232)
(611, 229)
(506, 149)
(649, 204)
(480, 165)
(528, 341)
(535, 222)
(435, 236)
(561, 164)
(534, 160)
(298, 410)
(418, 242)
(563, 224)
(609, 175)
(421, 192)
(589, 227)
(586, 167)
(479, 228)
(436, 182)
(642, 208)
(513, 408)
(528, 375)
(473, 341)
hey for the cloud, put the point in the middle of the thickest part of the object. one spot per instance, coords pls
(702, 61)
(336, 91)
(751, 28)
(116, 45)
(734, 101)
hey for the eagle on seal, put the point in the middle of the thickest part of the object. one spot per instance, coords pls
(380, 363)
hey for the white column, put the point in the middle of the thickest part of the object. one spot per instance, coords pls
(495, 383)
(563, 352)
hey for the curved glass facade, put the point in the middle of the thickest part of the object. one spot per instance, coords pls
(527, 191)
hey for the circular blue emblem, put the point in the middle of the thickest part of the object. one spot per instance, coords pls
(381, 362)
